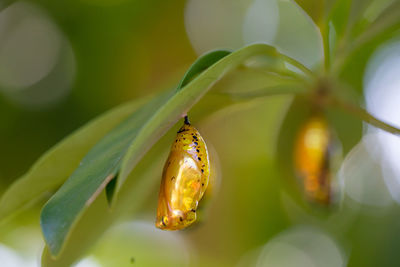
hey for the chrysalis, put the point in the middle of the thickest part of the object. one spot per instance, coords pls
(312, 159)
(184, 180)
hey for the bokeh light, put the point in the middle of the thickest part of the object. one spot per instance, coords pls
(37, 64)
(261, 21)
(141, 243)
(297, 35)
(226, 24)
(17, 253)
(88, 262)
(302, 246)
(382, 86)
(12, 258)
(361, 174)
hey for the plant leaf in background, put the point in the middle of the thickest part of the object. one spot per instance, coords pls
(387, 21)
(352, 27)
(247, 83)
(314, 9)
(351, 63)
(348, 130)
(346, 15)
(201, 65)
(139, 133)
(298, 36)
(295, 117)
(96, 169)
(54, 167)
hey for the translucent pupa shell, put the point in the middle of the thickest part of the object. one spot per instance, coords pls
(312, 160)
(184, 180)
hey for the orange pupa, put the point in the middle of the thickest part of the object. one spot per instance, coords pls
(312, 159)
(184, 180)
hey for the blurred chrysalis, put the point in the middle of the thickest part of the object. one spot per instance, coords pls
(312, 158)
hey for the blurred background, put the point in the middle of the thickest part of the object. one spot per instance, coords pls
(63, 63)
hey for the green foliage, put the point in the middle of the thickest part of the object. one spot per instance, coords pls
(314, 9)
(54, 167)
(95, 171)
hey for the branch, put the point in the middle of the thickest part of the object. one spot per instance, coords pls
(297, 64)
(283, 89)
(365, 116)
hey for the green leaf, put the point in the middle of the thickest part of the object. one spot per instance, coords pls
(130, 140)
(345, 14)
(339, 17)
(297, 114)
(54, 167)
(314, 8)
(202, 64)
(297, 35)
(361, 114)
(354, 24)
(365, 39)
(98, 217)
(345, 20)
(387, 21)
(95, 220)
(352, 68)
(249, 83)
(96, 169)
(347, 128)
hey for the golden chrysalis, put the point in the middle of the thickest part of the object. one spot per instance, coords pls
(184, 180)
(312, 159)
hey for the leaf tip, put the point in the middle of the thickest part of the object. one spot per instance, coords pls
(52, 232)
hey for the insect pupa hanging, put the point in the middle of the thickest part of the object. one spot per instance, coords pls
(184, 180)
(312, 156)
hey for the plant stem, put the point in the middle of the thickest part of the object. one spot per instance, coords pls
(327, 52)
(284, 74)
(187, 122)
(386, 19)
(284, 89)
(365, 116)
(297, 64)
